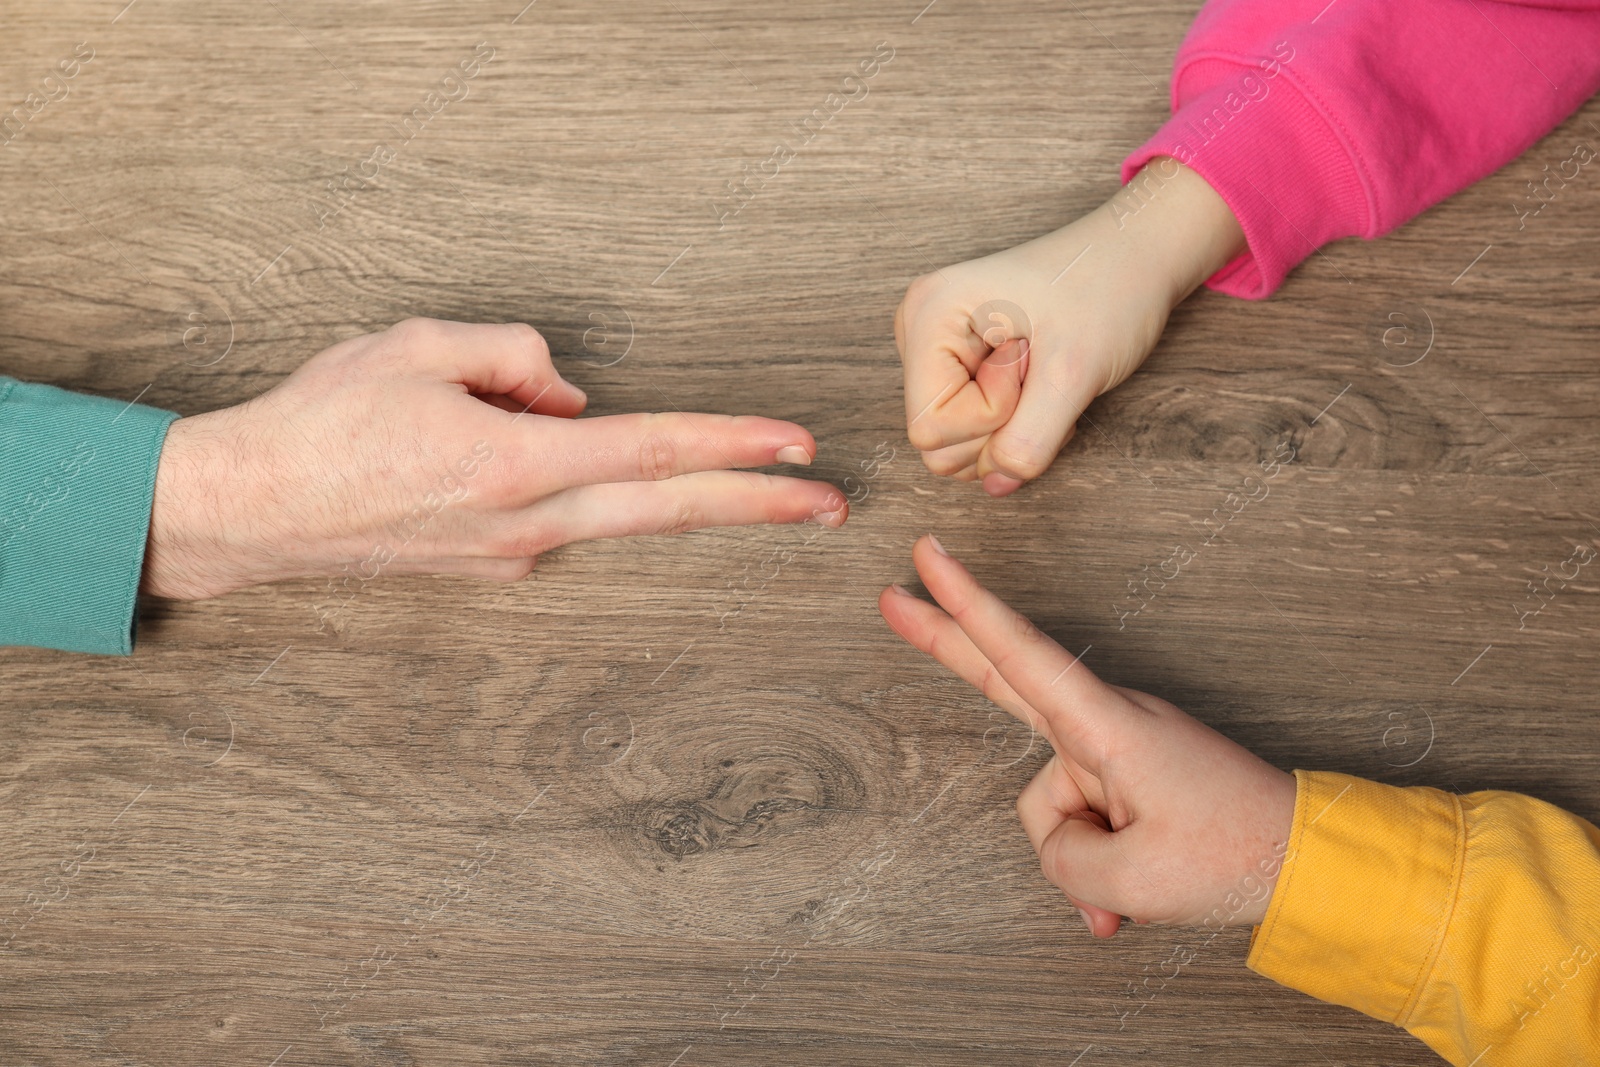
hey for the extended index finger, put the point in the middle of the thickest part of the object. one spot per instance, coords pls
(1083, 712)
(929, 629)
(654, 447)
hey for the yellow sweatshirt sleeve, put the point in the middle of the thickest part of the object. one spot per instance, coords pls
(1471, 921)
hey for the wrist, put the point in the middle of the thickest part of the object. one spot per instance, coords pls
(186, 553)
(1178, 228)
(1279, 796)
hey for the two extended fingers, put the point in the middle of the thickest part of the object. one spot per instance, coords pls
(675, 505)
(1083, 712)
(558, 480)
(1058, 808)
(929, 629)
(555, 454)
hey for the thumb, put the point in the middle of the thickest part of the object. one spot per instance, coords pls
(1000, 376)
(1101, 923)
(968, 395)
(1043, 422)
(1081, 859)
(507, 364)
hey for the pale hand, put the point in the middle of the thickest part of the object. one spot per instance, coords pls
(1143, 811)
(1003, 354)
(446, 447)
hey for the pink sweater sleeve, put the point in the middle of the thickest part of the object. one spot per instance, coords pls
(1318, 120)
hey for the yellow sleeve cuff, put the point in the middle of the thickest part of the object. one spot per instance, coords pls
(1365, 894)
(1472, 921)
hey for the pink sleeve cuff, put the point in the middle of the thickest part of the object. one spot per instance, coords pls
(1276, 159)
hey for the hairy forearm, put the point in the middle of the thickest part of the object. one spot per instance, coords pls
(188, 555)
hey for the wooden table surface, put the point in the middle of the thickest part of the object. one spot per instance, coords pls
(688, 801)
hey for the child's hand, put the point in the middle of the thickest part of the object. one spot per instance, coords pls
(1197, 825)
(445, 447)
(1002, 354)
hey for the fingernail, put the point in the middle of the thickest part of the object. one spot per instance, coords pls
(1022, 359)
(834, 518)
(794, 454)
(997, 484)
(1086, 920)
(899, 590)
(937, 547)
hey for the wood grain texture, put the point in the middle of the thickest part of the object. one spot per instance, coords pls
(688, 801)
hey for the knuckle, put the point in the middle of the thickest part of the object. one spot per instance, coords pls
(513, 542)
(681, 517)
(503, 572)
(942, 465)
(1056, 868)
(1024, 628)
(524, 544)
(658, 455)
(1020, 458)
(921, 290)
(924, 435)
(531, 339)
(506, 482)
(517, 571)
(991, 684)
(416, 331)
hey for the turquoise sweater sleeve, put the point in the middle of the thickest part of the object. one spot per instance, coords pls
(77, 477)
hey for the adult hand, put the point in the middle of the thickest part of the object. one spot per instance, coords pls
(1142, 811)
(446, 447)
(1002, 354)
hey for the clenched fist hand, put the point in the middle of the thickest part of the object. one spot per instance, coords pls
(1002, 354)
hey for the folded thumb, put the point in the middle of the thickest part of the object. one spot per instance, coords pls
(1000, 377)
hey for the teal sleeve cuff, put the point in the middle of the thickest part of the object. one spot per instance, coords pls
(77, 478)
